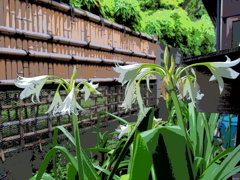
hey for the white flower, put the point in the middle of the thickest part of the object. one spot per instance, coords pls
(156, 121)
(123, 129)
(188, 88)
(130, 96)
(89, 88)
(57, 101)
(144, 71)
(31, 86)
(190, 91)
(128, 72)
(69, 105)
(222, 69)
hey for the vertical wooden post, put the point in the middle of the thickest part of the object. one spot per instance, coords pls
(21, 124)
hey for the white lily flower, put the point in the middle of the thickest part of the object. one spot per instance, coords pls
(128, 72)
(189, 91)
(57, 101)
(124, 129)
(70, 104)
(130, 96)
(89, 88)
(222, 69)
(142, 72)
(31, 86)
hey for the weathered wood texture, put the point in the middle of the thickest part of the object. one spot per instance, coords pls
(43, 37)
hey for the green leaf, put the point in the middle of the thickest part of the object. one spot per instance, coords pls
(71, 171)
(225, 168)
(89, 170)
(45, 176)
(104, 170)
(116, 117)
(143, 123)
(124, 177)
(165, 154)
(193, 133)
(141, 161)
(50, 154)
(98, 149)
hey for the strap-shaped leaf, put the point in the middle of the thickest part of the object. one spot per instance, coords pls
(166, 148)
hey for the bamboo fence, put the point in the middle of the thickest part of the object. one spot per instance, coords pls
(43, 37)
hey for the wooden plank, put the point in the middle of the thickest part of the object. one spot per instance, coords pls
(70, 70)
(13, 63)
(58, 48)
(105, 36)
(54, 47)
(92, 32)
(65, 24)
(61, 27)
(110, 37)
(20, 67)
(88, 30)
(53, 22)
(13, 69)
(44, 20)
(3, 69)
(21, 122)
(82, 29)
(69, 27)
(62, 49)
(25, 69)
(40, 19)
(99, 30)
(66, 70)
(31, 68)
(57, 24)
(6, 13)
(29, 17)
(74, 30)
(1, 13)
(35, 45)
(40, 68)
(8, 69)
(18, 21)
(61, 68)
(34, 18)
(1, 41)
(50, 68)
(12, 16)
(49, 22)
(44, 47)
(45, 69)
(24, 16)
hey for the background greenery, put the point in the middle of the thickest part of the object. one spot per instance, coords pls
(183, 24)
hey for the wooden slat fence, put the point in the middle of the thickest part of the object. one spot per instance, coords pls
(40, 37)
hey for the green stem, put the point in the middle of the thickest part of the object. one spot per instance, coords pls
(78, 147)
(192, 65)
